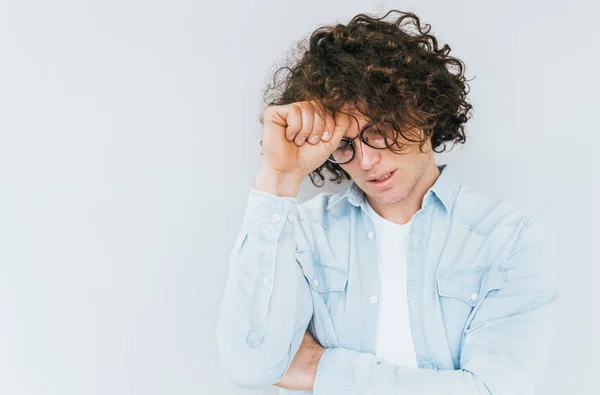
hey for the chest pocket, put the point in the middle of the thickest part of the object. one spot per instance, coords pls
(328, 288)
(462, 291)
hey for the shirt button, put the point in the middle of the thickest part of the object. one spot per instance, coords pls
(370, 235)
(373, 299)
(316, 283)
(266, 280)
(292, 217)
(275, 217)
(474, 296)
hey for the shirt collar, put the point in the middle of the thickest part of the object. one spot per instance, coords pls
(445, 189)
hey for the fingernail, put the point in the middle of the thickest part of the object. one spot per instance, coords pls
(301, 141)
(325, 135)
(314, 139)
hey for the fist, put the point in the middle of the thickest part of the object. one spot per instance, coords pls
(297, 138)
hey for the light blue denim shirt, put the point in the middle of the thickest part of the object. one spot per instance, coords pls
(481, 289)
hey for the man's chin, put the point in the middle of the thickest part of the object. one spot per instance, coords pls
(391, 195)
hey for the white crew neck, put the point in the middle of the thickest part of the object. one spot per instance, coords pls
(384, 222)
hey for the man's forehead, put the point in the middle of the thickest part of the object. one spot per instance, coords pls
(360, 117)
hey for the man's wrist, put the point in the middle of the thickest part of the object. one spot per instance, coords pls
(313, 365)
(277, 183)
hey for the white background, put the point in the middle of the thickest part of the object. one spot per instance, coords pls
(129, 140)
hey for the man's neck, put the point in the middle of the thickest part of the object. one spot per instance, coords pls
(403, 211)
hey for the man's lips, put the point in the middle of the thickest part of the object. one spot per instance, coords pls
(383, 183)
(374, 178)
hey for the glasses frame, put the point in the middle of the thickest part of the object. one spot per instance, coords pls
(362, 138)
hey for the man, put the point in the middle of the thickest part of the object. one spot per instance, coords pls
(407, 282)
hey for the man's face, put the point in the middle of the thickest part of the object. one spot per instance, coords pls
(406, 168)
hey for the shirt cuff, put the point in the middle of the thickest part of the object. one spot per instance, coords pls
(342, 372)
(266, 215)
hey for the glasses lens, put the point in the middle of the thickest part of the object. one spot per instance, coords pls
(343, 153)
(380, 135)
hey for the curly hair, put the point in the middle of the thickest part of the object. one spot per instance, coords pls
(391, 71)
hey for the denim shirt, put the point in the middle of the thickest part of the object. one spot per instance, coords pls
(481, 288)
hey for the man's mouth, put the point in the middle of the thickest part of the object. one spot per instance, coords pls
(382, 177)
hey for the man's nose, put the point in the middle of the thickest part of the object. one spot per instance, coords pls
(366, 156)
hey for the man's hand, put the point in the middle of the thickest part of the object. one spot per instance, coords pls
(297, 138)
(301, 373)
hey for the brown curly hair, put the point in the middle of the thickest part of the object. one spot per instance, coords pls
(391, 71)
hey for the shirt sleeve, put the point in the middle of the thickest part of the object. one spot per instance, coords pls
(504, 350)
(267, 305)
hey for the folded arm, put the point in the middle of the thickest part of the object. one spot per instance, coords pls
(504, 349)
(267, 304)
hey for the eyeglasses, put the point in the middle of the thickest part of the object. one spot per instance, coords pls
(378, 135)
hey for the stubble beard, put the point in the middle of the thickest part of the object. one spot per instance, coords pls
(401, 190)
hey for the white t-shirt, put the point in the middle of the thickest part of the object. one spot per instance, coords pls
(394, 340)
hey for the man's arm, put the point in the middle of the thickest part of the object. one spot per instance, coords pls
(267, 304)
(504, 350)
